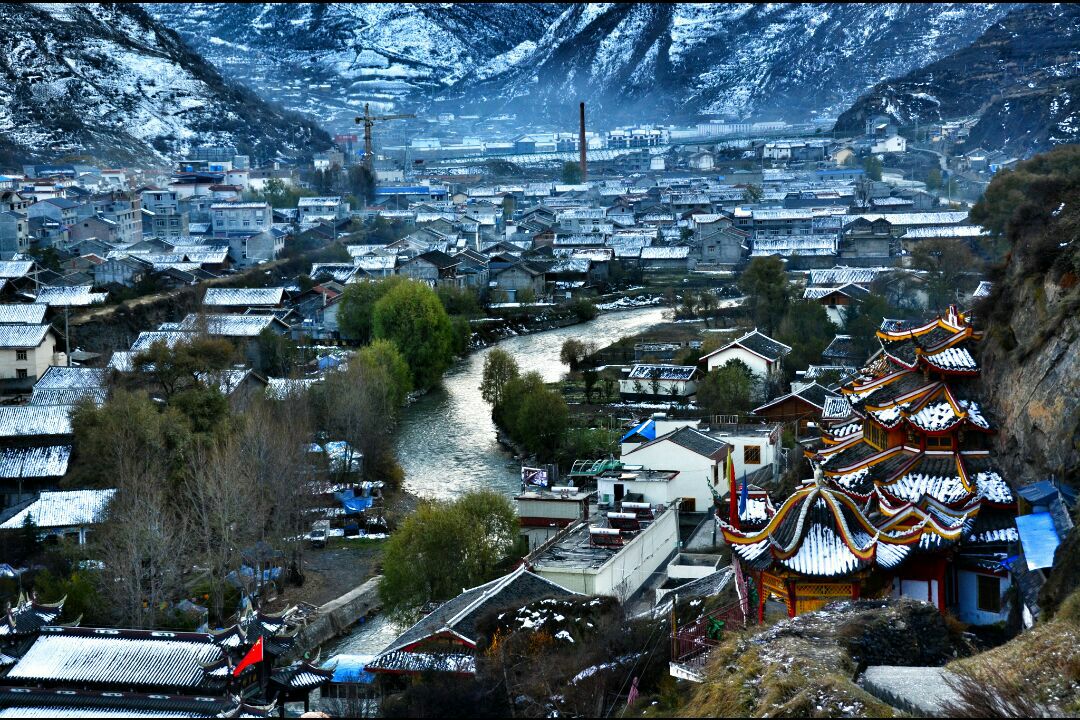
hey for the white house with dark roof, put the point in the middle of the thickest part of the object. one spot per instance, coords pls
(665, 382)
(697, 459)
(763, 355)
(26, 351)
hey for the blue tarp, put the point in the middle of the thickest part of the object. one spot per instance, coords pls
(411, 190)
(328, 361)
(353, 503)
(350, 669)
(646, 430)
(1038, 538)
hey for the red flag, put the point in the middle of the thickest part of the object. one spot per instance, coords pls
(254, 655)
(633, 692)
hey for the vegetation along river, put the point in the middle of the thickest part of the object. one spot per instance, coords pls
(447, 445)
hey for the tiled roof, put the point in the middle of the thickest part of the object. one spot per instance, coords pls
(662, 372)
(29, 616)
(32, 420)
(231, 325)
(11, 269)
(118, 658)
(763, 345)
(69, 508)
(27, 313)
(243, 297)
(76, 296)
(59, 377)
(50, 461)
(691, 439)
(22, 336)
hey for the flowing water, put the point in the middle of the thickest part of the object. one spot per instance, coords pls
(446, 442)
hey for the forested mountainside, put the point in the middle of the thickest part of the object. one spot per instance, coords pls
(110, 81)
(1021, 78)
(537, 60)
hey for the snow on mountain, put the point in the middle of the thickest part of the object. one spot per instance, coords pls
(672, 61)
(783, 61)
(1023, 85)
(108, 80)
(327, 60)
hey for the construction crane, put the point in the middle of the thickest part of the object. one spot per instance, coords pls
(369, 121)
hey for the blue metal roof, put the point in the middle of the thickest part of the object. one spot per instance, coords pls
(1038, 492)
(1038, 538)
(646, 430)
(404, 190)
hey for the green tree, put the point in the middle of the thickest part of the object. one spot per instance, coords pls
(384, 356)
(410, 315)
(806, 328)
(361, 183)
(590, 377)
(444, 547)
(278, 354)
(571, 173)
(583, 309)
(179, 367)
(500, 367)
(873, 167)
(572, 353)
(862, 321)
(933, 179)
(532, 414)
(753, 193)
(766, 287)
(728, 390)
(356, 315)
(945, 260)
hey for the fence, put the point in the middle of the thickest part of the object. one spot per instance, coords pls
(691, 643)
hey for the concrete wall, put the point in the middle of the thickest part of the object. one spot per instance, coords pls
(967, 605)
(337, 616)
(695, 471)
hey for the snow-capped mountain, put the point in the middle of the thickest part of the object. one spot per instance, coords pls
(328, 59)
(630, 61)
(1021, 78)
(108, 80)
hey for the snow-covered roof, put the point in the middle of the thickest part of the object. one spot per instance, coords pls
(11, 269)
(231, 325)
(665, 253)
(26, 313)
(76, 296)
(33, 420)
(69, 508)
(243, 297)
(34, 462)
(662, 372)
(22, 336)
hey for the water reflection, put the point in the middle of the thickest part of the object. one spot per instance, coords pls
(446, 443)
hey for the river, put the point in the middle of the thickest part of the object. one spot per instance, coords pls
(446, 442)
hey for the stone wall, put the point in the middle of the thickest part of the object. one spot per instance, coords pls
(338, 616)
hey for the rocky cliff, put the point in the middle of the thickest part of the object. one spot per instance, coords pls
(1031, 356)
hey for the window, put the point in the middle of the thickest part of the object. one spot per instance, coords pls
(875, 435)
(20, 355)
(21, 373)
(751, 455)
(938, 442)
(988, 593)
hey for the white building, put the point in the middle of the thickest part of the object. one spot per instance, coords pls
(659, 381)
(240, 217)
(763, 355)
(893, 144)
(696, 458)
(26, 352)
(314, 209)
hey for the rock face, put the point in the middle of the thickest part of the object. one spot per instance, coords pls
(109, 81)
(537, 60)
(1020, 78)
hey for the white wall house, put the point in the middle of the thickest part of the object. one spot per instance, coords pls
(26, 352)
(894, 144)
(696, 457)
(659, 381)
(241, 217)
(763, 355)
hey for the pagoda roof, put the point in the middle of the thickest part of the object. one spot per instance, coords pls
(29, 616)
(940, 344)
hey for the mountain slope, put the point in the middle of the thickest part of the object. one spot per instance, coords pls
(784, 61)
(537, 60)
(1020, 77)
(108, 80)
(327, 59)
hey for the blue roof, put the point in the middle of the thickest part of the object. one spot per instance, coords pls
(350, 669)
(404, 190)
(842, 171)
(1038, 538)
(646, 430)
(1039, 491)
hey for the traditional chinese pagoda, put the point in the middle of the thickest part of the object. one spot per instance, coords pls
(906, 501)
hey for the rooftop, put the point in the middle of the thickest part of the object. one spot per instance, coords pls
(70, 508)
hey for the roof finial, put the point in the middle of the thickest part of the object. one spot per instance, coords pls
(819, 476)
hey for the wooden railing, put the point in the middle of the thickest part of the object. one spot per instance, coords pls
(691, 643)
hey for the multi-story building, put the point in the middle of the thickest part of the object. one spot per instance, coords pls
(240, 218)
